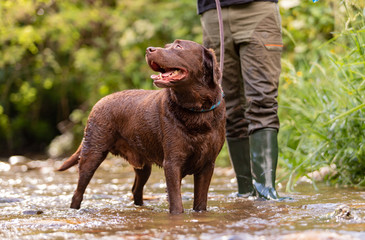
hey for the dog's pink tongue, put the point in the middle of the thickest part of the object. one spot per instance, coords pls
(155, 77)
(166, 75)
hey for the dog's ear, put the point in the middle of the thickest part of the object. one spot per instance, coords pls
(212, 72)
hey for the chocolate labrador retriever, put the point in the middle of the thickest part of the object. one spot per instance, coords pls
(180, 127)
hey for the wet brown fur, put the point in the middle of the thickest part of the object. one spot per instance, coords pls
(156, 127)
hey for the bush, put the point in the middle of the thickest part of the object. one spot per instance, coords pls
(322, 107)
(58, 56)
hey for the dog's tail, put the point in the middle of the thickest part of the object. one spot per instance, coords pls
(71, 161)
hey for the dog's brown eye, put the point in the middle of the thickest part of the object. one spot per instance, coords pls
(178, 46)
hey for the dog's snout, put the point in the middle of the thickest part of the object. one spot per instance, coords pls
(151, 49)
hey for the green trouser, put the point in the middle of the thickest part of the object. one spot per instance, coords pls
(253, 46)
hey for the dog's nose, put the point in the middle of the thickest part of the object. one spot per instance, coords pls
(150, 49)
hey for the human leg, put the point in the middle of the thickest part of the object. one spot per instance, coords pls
(264, 155)
(260, 64)
(236, 123)
(239, 152)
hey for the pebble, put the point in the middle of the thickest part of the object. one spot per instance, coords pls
(33, 212)
(17, 159)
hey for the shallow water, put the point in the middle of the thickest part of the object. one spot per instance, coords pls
(34, 204)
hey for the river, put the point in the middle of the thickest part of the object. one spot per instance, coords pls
(35, 199)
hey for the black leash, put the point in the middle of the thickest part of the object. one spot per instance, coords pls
(221, 35)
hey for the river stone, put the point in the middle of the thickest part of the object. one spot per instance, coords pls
(317, 235)
(17, 159)
(33, 212)
(9, 200)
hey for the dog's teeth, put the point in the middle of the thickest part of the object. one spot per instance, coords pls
(160, 76)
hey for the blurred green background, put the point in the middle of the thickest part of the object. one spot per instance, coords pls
(57, 58)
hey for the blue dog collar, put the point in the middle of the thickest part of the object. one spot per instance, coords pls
(208, 109)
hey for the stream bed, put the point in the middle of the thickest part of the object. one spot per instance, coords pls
(35, 199)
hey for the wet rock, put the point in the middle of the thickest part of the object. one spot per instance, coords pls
(101, 196)
(33, 212)
(61, 145)
(19, 168)
(319, 175)
(10, 200)
(317, 235)
(13, 160)
(4, 167)
(344, 212)
(240, 237)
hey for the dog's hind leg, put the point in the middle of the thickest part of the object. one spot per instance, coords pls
(140, 180)
(88, 164)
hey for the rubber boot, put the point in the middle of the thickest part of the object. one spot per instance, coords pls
(264, 158)
(239, 152)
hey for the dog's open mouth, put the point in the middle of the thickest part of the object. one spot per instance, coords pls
(167, 74)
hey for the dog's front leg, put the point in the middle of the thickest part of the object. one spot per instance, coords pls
(201, 187)
(173, 182)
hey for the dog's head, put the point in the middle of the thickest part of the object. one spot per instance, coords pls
(182, 62)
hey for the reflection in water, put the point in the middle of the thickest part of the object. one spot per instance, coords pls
(34, 202)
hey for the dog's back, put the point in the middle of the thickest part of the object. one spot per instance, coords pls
(140, 124)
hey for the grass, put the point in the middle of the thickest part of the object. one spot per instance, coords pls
(322, 109)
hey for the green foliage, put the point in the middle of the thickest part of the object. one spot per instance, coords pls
(306, 26)
(323, 106)
(57, 56)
